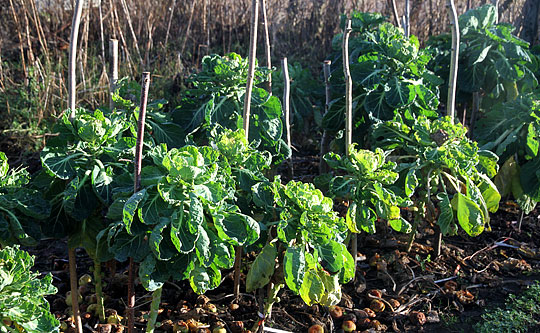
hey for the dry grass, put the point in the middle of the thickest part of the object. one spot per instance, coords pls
(35, 36)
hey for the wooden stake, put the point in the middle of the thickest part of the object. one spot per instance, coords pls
(396, 15)
(407, 19)
(169, 24)
(252, 58)
(113, 50)
(72, 86)
(325, 141)
(145, 86)
(451, 103)
(286, 110)
(348, 116)
(267, 45)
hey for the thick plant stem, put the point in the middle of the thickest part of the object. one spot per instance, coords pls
(145, 86)
(99, 290)
(287, 110)
(348, 115)
(451, 102)
(113, 49)
(273, 290)
(267, 45)
(251, 69)
(73, 57)
(74, 289)
(154, 310)
(474, 113)
(325, 141)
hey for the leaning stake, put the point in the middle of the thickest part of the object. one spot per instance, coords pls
(247, 106)
(325, 142)
(286, 109)
(451, 103)
(71, 105)
(267, 45)
(113, 49)
(348, 115)
(136, 185)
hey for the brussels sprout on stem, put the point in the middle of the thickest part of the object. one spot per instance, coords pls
(99, 291)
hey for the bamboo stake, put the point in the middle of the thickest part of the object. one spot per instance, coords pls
(247, 105)
(73, 56)
(113, 49)
(454, 59)
(323, 166)
(102, 36)
(145, 87)
(286, 110)
(348, 116)
(72, 261)
(267, 45)
(252, 59)
(407, 19)
(396, 15)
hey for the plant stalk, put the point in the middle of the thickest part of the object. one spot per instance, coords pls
(154, 310)
(99, 290)
(451, 103)
(72, 86)
(74, 289)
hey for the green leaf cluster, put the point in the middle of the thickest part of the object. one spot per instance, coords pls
(389, 75)
(512, 131)
(309, 248)
(216, 101)
(442, 167)
(369, 186)
(20, 207)
(23, 307)
(184, 223)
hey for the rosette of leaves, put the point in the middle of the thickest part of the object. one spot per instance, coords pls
(440, 167)
(23, 307)
(389, 76)
(491, 59)
(512, 131)
(21, 207)
(81, 166)
(215, 101)
(312, 259)
(369, 186)
(183, 223)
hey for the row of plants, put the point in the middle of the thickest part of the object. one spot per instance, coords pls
(205, 191)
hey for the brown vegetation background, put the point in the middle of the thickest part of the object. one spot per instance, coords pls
(169, 38)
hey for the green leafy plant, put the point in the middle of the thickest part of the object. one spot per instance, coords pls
(216, 99)
(443, 172)
(389, 76)
(20, 207)
(308, 244)
(512, 131)
(491, 59)
(368, 186)
(183, 223)
(23, 307)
